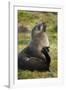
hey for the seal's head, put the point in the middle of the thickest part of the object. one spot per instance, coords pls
(38, 29)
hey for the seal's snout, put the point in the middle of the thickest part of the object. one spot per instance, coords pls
(42, 26)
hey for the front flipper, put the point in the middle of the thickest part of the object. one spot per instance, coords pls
(45, 51)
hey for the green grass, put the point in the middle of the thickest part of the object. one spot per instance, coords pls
(24, 39)
(26, 74)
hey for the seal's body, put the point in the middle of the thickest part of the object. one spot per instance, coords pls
(36, 55)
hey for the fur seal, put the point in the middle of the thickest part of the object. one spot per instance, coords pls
(36, 55)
